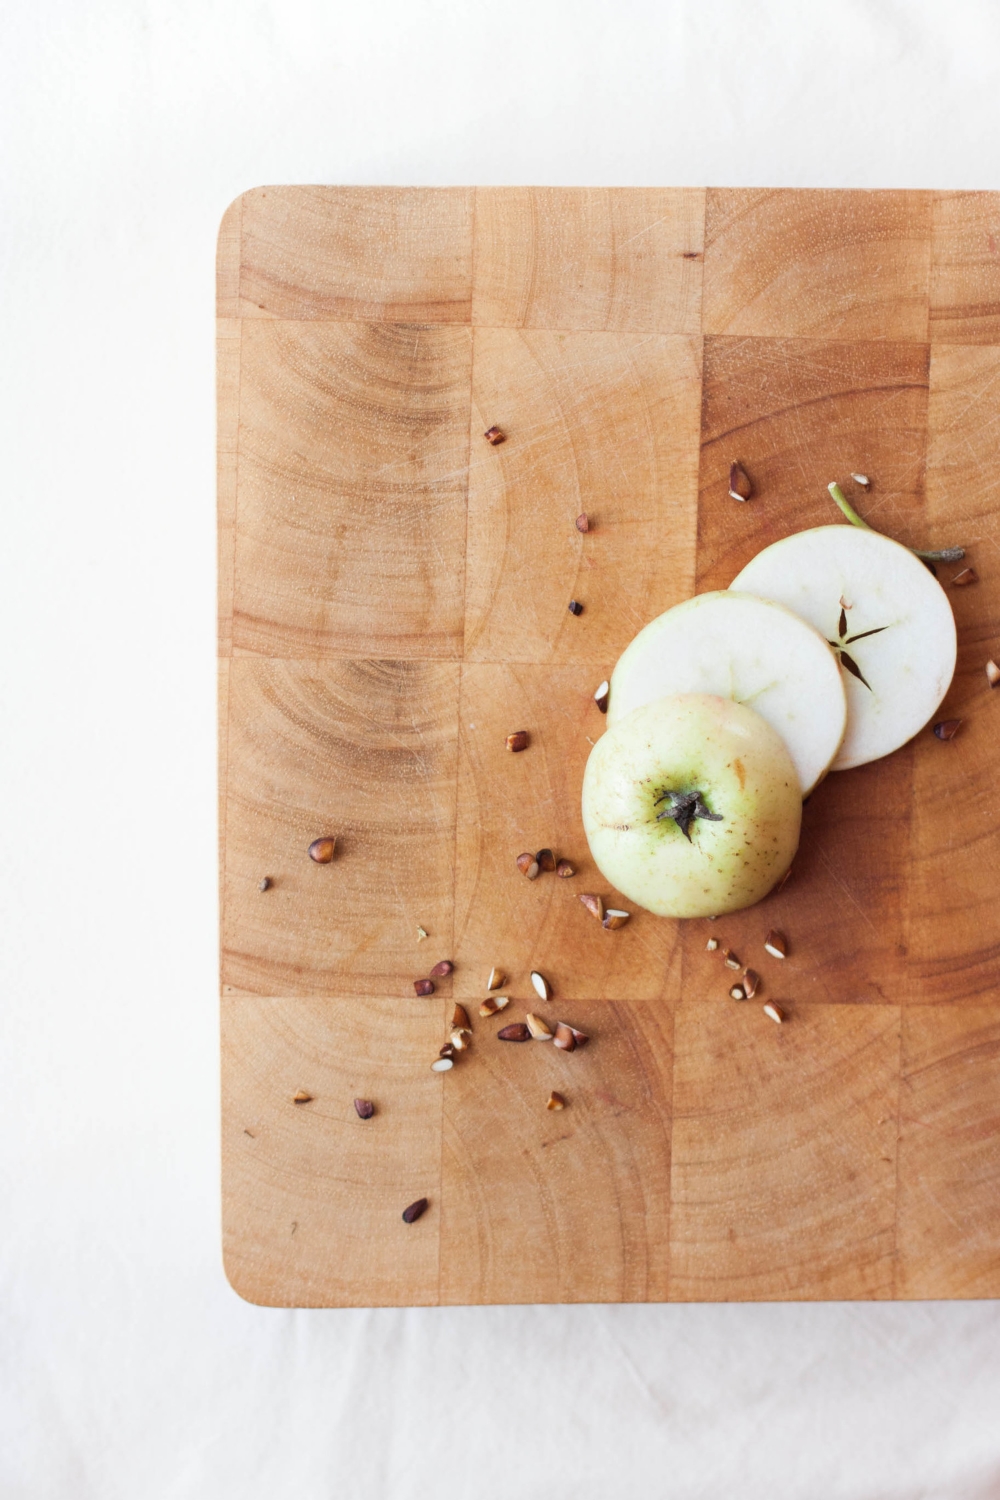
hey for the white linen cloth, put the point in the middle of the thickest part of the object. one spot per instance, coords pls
(127, 1366)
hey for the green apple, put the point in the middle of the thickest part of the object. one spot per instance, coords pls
(885, 616)
(692, 806)
(752, 651)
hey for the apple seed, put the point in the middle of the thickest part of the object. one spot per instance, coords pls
(442, 969)
(460, 1016)
(538, 1028)
(264, 884)
(555, 1101)
(575, 607)
(862, 479)
(614, 919)
(947, 729)
(540, 985)
(967, 576)
(711, 945)
(301, 1097)
(493, 1003)
(564, 1038)
(413, 1212)
(528, 865)
(737, 992)
(442, 1064)
(594, 905)
(496, 979)
(423, 986)
(602, 695)
(564, 869)
(460, 1038)
(517, 1031)
(992, 673)
(546, 860)
(740, 487)
(583, 522)
(517, 741)
(775, 944)
(495, 435)
(321, 851)
(774, 1012)
(364, 1109)
(732, 962)
(751, 983)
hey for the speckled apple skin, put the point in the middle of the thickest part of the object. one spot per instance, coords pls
(689, 742)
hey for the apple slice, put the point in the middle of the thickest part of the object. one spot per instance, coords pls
(750, 650)
(884, 614)
(692, 806)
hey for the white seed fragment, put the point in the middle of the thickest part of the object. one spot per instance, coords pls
(861, 479)
(992, 673)
(496, 979)
(775, 944)
(601, 697)
(737, 992)
(493, 1003)
(421, 934)
(711, 945)
(442, 1064)
(732, 962)
(539, 1030)
(774, 1012)
(460, 1038)
(751, 981)
(539, 985)
(614, 919)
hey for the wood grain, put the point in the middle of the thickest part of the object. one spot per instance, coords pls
(949, 1152)
(327, 1188)
(589, 258)
(832, 265)
(353, 473)
(393, 595)
(604, 424)
(566, 1206)
(965, 269)
(784, 1144)
(508, 804)
(399, 255)
(365, 751)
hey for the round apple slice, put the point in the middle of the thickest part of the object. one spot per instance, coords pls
(752, 651)
(884, 614)
(692, 806)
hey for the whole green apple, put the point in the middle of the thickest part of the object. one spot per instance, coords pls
(692, 806)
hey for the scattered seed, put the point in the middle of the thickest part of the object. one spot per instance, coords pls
(518, 741)
(264, 884)
(460, 1038)
(583, 522)
(575, 607)
(564, 869)
(496, 979)
(564, 1038)
(546, 860)
(737, 992)
(447, 1050)
(321, 851)
(751, 983)
(424, 986)
(580, 1037)
(442, 1064)
(740, 487)
(528, 866)
(364, 1109)
(732, 962)
(992, 673)
(594, 905)
(493, 1003)
(540, 985)
(967, 576)
(774, 1012)
(602, 695)
(555, 1101)
(421, 934)
(947, 729)
(442, 969)
(538, 1028)
(614, 919)
(862, 479)
(460, 1016)
(775, 944)
(711, 945)
(412, 1214)
(302, 1097)
(495, 435)
(517, 1031)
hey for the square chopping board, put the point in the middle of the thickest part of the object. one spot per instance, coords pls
(394, 597)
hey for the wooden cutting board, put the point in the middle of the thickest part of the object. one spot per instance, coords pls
(394, 597)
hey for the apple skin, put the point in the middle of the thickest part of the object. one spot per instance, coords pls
(741, 766)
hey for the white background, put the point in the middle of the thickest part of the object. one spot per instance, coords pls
(128, 1367)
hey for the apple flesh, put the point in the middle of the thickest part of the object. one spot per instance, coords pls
(885, 616)
(692, 806)
(741, 647)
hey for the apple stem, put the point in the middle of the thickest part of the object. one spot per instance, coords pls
(946, 554)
